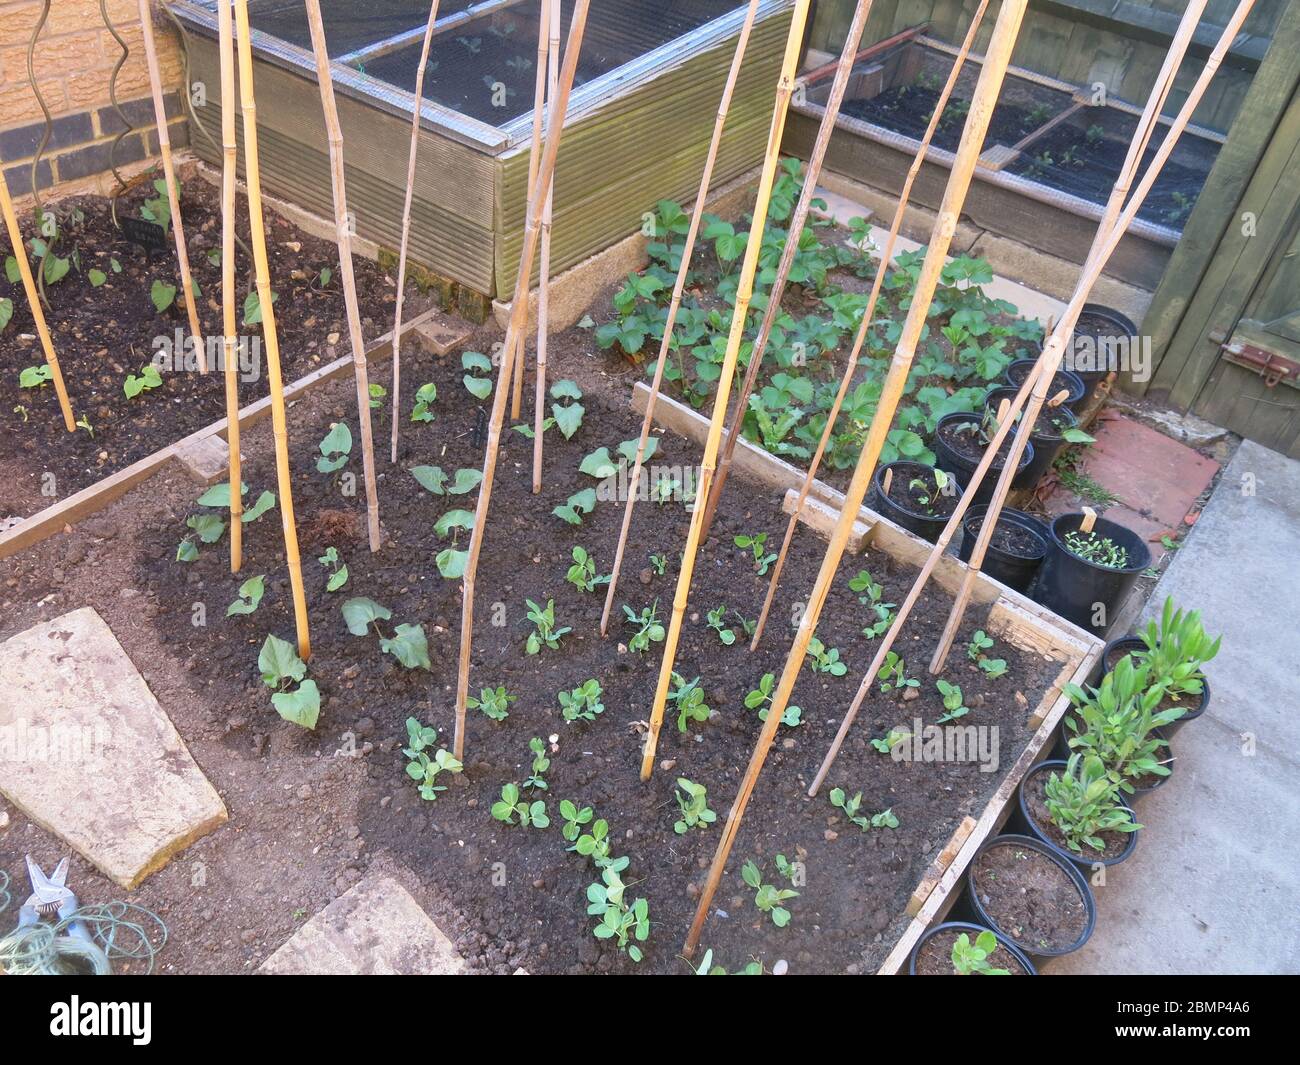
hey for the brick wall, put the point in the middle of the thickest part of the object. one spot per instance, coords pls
(74, 61)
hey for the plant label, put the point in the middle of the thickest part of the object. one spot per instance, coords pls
(147, 235)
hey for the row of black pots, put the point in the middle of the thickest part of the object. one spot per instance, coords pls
(1099, 323)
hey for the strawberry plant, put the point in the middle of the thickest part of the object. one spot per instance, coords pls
(582, 574)
(544, 633)
(768, 897)
(972, 959)
(761, 697)
(422, 768)
(583, 702)
(510, 807)
(281, 667)
(494, 702)
(884, 819)
(649, 630)
(338, 570)
(693, 803)
(756, 545)
(954, 705)
(689, 700)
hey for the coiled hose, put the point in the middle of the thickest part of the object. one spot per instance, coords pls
(118, 931)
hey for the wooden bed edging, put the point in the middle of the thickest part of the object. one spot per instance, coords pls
(94, 498)
(1013, 616)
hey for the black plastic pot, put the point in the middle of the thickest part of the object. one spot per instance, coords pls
(1073, 587)
(971, 930)
(925, 526)
(1171, 761)
(1116, 649)
(1024, 821)
(1099, 323)
(975, 906)
(1012, 570)
(961, 467)
(1046, 440)
(1071, 382)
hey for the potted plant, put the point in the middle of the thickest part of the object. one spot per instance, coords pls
(960, 440)
(958, 948)
(1016, 550)
(1024, 891)
(1095, 335)
(1077, 809)
(1175, 649)
(1119, 721)
(919, 498)
(1054, 428)
(1063, 379)
(1090, 567)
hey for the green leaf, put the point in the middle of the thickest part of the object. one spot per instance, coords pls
(565, 390)
(431, 478)
(451, 563)
(35, 376)
(598, 464)
(337, 579)
(359, 613)
(56, 269)
(186, 551)
(219, 495)
(476, 360)
(11, 270)
(163, 295)
(96, 277)
(409, 646)
(454, 519)
(250, 596)
(568, 418)
(628, 449)
(265, 502)
(253, 307)
(478, 387)
(302, 707)
(208, 526)
(279, 662)
(335, 448)
(6, 311)
(465, 481)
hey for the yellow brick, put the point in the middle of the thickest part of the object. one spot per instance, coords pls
(19, 106)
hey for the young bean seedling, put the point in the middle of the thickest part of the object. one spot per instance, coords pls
(544, 633)
(884, 819)
(250, 596)
(509, 807)
(421, 768)
(582, 703)
(408, 643)
(281, 667)
(494, 702)
(768, 897)
(694, 806)
(424, 399)
(335, 448)
(332, 561)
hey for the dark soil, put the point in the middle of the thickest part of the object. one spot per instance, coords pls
(312, 812)
(906, 109)
(103, 334)
(935, 957)
(1095, 325)
(1029, 897)
(1017, 374)
(1011, 539)
(1036, 800)
(1090, 171)
(965, 438)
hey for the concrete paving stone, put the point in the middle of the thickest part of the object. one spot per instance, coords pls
(375, 929)
(1147, 470)
(206, 460)
(88, 754)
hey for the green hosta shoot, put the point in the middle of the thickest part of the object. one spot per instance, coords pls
(1083, 802)
(626, 924)
(825, 659)
(510, 809)
(768, 897)
(478, 379)
(541, 763)
(281, 668)
(891, 739)
(494, 702)
(574, 819)
(544, 633)
(756, 545)
(693, 803)
(582, 574)
(423, 768)
(893, 674)
(250, 596)
(424, 399)
(583, 702)
(954, 705)
(972, 959)
(689, 699)
(408, 643)
(148, 380)
(761, 697)
(335, 448)
(717, 616)
(338, 569)
(884, 819)
(649, 630)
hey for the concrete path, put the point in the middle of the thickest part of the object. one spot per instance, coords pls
(1212, 886)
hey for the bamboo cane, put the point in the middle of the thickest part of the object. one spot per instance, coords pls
(229, 325)
(1005, 32)
(406, 225)
(851, 366)
(518, 323)
(169, 176)
(284, 476)
(674, 304)
(343, 225)
(798, 220)
(1096, 258)
(544, 280)
(534, 157)
(740, 313)
(1065, 329)
(34, 301)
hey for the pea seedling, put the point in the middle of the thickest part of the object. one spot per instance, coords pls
(540, 765)
(823, 659)
(755, 545)
(694, 805)
(582, 574)
(1097, 549)
(660, 564)
(717, 617)
(423, 769)
(768, 897)
(544, 633)
(595, 845)
(871, 594)
(884, 819)
(979, 643)
(689, 699)
(649, 630)
(530, 814)
(993, 667)
(574, 819)
(891, 739)
(893, 674)
(582, 703)
(618, 920)
(494, 702)
(333, 562)
(760, 698)
(954, 705)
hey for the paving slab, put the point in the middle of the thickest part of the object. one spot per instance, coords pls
(443, 333)
(206, 460)
(1211, 886)
(375, 929)
(1148, 471)
(88, 754)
